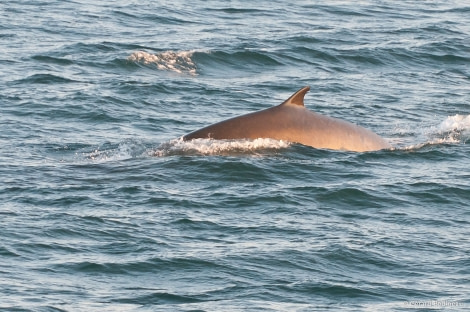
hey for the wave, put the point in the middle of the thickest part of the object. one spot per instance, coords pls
(344, 52)
(44, 79)
(180, 62)
(52, 60)
(245, 58)
(219, 147)
(191, 62)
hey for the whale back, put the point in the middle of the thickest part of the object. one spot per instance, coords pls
(291, 121)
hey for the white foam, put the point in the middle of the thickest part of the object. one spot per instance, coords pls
(453, 130)
(180, 62)
(456, 123)
(218, 147)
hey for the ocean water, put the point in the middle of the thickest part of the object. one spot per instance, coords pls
(103, 207)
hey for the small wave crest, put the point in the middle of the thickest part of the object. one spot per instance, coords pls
(218, 147)
(179, 62)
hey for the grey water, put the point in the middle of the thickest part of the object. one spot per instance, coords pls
(103, 207)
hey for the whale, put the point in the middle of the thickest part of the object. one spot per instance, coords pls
(291, 121)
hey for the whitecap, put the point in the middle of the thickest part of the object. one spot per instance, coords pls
(180, 62)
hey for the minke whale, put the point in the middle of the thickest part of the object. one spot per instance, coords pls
(291, 121)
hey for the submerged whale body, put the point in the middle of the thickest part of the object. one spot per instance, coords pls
(291, 121)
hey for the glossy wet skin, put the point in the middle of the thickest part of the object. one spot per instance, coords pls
(291, 121)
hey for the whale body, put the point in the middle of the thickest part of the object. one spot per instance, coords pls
(291, 121)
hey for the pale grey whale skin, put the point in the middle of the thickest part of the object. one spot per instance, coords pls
(291, 121)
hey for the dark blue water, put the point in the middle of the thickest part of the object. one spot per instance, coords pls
(104, 208)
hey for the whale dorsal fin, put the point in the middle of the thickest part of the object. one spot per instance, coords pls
(297, 98)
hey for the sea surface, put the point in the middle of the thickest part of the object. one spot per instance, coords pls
(103, 207)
